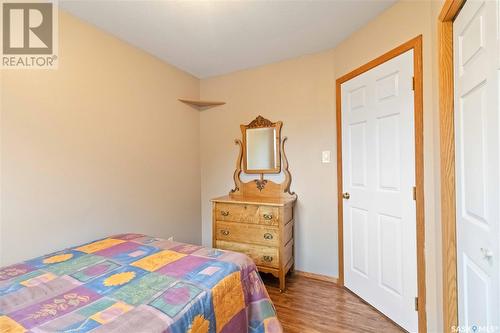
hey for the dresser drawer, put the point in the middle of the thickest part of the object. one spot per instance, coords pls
(237, 213)
(261, 255)
(266, 215)
(247, 233)
(269, 215)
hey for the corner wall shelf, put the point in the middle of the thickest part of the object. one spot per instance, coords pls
(201, 104)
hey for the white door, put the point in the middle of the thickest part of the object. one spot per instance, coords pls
(476, 59)
(378, 160)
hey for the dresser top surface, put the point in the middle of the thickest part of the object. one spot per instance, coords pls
(255, 200)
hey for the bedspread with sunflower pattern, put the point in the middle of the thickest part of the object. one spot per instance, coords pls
(136, 283)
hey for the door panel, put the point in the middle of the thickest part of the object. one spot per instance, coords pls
(473, 161)
(359, 234)
(357, 98)
(378, 146)
(477, 151)
(390, 258)
(476, 294)
(357, 143)
(388, 157)
(387, 86)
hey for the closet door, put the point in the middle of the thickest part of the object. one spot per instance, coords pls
(477, 128)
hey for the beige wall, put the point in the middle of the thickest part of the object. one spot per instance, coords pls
(99, 146)
(301, 93)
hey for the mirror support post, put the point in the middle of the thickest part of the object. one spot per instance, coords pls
(237, 171)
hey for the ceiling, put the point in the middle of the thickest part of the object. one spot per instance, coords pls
(208, 38)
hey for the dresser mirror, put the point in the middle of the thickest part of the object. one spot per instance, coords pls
(261, 145)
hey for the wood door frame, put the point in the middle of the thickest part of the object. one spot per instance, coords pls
(449, 12)
(414, 44)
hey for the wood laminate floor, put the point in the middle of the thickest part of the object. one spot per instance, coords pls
(312, 306)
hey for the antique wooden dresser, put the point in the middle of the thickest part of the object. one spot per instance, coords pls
(257, 217)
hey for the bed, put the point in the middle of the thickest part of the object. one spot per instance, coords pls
(136, 283)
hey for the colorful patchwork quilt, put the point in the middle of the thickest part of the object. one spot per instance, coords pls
(136, 283)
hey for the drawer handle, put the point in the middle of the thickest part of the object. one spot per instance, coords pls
(268, 216)
(268, 236)
(267, 258)
(224, 232)
(224, 212)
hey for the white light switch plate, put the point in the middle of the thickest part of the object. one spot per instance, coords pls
(326, 156)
